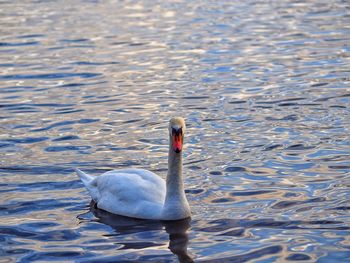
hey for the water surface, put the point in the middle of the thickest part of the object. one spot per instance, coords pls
(264, 88)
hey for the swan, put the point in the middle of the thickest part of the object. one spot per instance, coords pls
(140, 193)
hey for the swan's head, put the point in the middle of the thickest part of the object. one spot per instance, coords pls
(177, 129)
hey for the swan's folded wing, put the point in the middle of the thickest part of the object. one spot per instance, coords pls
(131, 194)
(144, 174)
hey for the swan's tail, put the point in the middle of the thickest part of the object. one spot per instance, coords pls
(90, 184)
(85, 178)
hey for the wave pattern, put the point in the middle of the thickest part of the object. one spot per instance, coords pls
(264, 88)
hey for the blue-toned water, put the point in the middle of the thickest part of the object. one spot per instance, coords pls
(263, 85)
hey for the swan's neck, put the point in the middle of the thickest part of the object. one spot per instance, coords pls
(175, 205)
(174, 181)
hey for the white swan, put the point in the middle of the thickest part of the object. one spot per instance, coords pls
(140, 193)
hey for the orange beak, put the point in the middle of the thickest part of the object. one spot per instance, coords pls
(177, 141)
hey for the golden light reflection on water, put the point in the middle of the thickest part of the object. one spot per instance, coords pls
(263, 88)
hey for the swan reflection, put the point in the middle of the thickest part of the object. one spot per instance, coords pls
(177, 229)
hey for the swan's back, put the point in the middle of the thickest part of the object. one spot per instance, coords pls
(130, 192)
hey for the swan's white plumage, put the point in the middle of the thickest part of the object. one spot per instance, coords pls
(130, 192)
(140, 193)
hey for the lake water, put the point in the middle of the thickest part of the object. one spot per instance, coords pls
(263, 85)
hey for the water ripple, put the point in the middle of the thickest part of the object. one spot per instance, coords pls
(264, 89)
